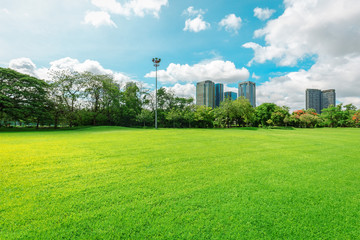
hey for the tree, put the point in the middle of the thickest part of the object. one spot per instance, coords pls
(243, 111)
(23, 98)
(264, 111)
(356, 118)
(334, 116)
(204, 117)
(309, 120)
(305, 118)
(279, 115)
(173, 116)
(145, 116)
(97, 92)
(225, 114)
(189, 114)
(69, 90)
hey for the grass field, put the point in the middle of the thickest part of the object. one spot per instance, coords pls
(111, 183)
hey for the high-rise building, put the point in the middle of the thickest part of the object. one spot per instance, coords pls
(328, 97)
(231, 95)
(318, 100)
(313, 99)
(247, 89)
(219, 94)
(205, 93)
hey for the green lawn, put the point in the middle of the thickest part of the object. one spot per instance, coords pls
(111, 183)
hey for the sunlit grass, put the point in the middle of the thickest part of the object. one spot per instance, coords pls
(110, 182)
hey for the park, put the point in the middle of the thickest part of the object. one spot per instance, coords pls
(133, 183)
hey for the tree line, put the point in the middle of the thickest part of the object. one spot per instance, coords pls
(82, 99)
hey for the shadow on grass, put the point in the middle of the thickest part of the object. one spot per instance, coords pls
(29, 129)
(51, 129)
(281, 128)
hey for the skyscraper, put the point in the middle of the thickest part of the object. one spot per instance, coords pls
(328, 97)
(205, 93)
(219, 94)
(231, 95)
(248, 90)
(313, 99)
(319, 100)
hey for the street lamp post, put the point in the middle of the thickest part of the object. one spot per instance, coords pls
(156, 62)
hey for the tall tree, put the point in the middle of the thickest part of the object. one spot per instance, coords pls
(264, 111)
(69, 89)
(22, 97)
(131, 104)
(279, 115)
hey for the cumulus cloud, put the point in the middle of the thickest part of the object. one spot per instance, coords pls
(186, 90)
(231, 23)
(196, 24)
(263, 13)
(339, 74)
(230, 89)
(215, 70)
(25, 65)
(131, 7)
(324, 27)
(326, 30)
(98, 18)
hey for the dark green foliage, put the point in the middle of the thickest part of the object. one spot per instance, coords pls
(23, 98)
(263, 113)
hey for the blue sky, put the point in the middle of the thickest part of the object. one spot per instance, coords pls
(283, 46)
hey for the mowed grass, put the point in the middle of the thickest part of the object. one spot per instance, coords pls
(120, 183)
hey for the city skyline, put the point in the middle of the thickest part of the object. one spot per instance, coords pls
(282, 46)
(211, 94)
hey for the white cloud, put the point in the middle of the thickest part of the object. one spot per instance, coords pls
(327, 29)
(323, 27)
(230, 89)
(254, 76)
(187, 90)
(215, 70)
(98, 19)
(190, 11)
(25, 65)
(196, 25)
(339, 74)
(231, 23)
(132, 7)
(263, 54)
(263, 13)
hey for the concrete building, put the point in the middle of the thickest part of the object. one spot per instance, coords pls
(219, 94)
(313, 99)
(231, 95)
(205, 93)
(318, 100)
(328, 97)
(247, 89)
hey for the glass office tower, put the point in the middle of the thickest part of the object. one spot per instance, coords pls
(248, 90)
(231, 95)
(219, 94)
(205, 93)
